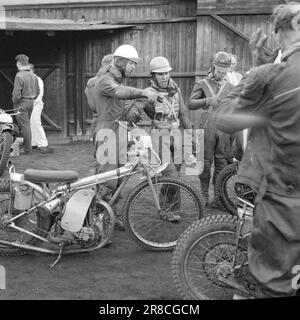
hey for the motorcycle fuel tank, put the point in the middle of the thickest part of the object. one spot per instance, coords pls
(76, 210)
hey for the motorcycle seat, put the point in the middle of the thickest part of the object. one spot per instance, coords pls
(50, 176)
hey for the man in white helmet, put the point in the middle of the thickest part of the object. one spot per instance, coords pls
(112, 95)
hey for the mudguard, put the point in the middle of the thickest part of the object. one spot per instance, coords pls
(76, 210)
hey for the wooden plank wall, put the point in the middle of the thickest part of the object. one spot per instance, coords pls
(215, 37)
(181, 30)
(238, 5)
(154, 36)
(48, 57)
(124, 11)
(212, 36)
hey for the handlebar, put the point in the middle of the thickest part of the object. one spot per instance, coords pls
(140, 153)
(5, 110)
(11, 114)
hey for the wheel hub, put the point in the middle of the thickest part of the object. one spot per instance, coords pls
(224, 269)
(4, 220)
(169, 216)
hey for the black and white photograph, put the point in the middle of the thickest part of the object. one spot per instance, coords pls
(149, 150)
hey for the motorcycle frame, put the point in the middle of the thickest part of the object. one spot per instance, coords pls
(66, 189)
(245, 208)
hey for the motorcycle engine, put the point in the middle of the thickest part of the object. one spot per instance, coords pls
(86, 234)
(58, 234)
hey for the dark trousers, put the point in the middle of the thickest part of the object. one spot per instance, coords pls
(24, 122)
(274, 246)
(214, 145)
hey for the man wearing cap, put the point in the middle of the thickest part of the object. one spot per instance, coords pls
(112, 95)
(207, 95)
(267, 101)
(26, 90)
(91, 95)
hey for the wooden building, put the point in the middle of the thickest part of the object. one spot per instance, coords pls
(66, 42)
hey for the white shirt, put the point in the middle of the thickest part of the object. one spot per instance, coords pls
(234, 78)
(39, 98)
(278, 58)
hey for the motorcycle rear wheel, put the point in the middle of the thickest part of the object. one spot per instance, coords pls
(33, 222)
(6, 140)
(204, 252)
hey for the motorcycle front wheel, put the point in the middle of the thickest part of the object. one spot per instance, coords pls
(180, 203)
(204, 252)
(6, 140)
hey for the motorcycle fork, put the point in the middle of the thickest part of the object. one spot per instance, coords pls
(154, 191)
(239, 235)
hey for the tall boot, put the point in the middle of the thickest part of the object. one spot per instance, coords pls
(204, 188)
(216, 202)
(220, 163)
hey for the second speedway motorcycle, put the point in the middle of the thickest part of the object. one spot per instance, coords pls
(8, 133)
(210, 261)
(55, 212)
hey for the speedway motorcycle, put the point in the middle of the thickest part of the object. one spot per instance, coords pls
(8, 133)
(210, 261)
(55, 212)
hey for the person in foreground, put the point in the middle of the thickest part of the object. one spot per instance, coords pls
(267, 101)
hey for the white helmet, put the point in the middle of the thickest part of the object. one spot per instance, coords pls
(159, 65)
(128, 52)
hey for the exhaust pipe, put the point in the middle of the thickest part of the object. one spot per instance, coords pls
(27, 247)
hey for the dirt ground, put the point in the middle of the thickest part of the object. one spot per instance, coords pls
(122, 270)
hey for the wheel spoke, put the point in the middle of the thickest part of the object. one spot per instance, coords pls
(201, 257)
(175, 198)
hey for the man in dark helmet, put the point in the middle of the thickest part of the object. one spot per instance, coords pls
(267, 101)
(207, 95)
